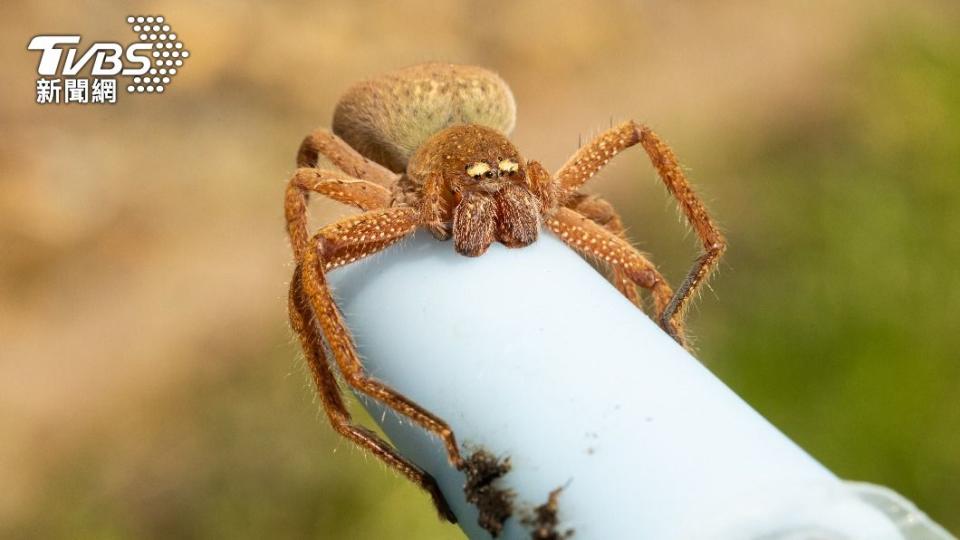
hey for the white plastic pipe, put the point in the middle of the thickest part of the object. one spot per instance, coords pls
(533, 355)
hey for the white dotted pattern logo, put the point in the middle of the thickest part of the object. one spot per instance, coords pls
(147, 66)
(168, 53)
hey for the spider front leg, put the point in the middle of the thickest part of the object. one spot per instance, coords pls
(335, 185)
(592, 157)
(304, 324)
(602, 213)
(593, 240)
(341, 243)
(343, 156)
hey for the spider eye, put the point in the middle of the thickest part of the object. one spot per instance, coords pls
(508, 166)
(478, 169)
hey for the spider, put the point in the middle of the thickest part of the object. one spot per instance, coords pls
(427, 147)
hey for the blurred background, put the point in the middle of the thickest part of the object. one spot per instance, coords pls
(150, 386)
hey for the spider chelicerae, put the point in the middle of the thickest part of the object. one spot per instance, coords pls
(427, 146)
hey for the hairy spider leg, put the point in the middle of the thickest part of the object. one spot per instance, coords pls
(333, 184)
(305, 325)
(542, 185)
(587, 161)
(433, 208)
(346, 241)
(601, 212)
(593, 240)
(343, 156)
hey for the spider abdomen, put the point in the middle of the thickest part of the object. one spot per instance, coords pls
(387, 118)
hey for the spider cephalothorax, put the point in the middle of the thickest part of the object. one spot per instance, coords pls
(427, 147)
(471, 182)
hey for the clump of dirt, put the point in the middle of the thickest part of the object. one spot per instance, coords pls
(544, 520)
(495, 504)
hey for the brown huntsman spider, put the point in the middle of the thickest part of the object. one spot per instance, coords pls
(427, 146)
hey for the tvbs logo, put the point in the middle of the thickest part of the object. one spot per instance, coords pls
(149, 64)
